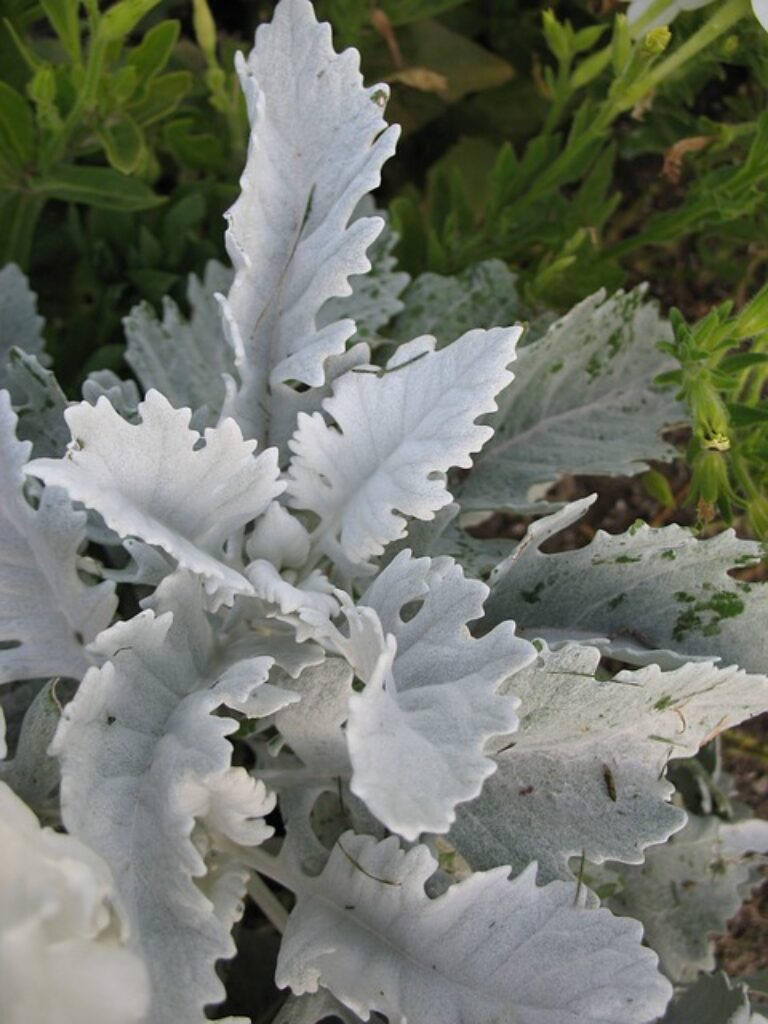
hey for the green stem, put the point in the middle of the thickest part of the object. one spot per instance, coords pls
(84, 102)
(21, 212)
(723, 18)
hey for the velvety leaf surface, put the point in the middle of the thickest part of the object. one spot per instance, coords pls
(582, 404)
(317, 145)
(47, 613)
(483, 295)
(398, 434)
(585, 771)
(61, 951)
(489, 951)
(20, 325)
(375, 297)
(644, 595)
(147, 783)
(152, 481)
(683, 894)
(185, 359)
(418, 731)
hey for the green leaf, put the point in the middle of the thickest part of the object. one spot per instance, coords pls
(153, 52)
(17, 130)
(124, 144)
(162, 96)
(192, 148)
(588, 37)
(747, 415)
(123, 17)
(743, 361)
(101, 187)
(658, 487)
(62, 14)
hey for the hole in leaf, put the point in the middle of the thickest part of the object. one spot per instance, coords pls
(411, 610)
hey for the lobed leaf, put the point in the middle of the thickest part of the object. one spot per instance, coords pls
(584, 774)
(317, 144)
(63, 957)
(152, 481)
(583, 404)
(489, 951)
(399, 432)
(684, 893)
(647, 595)
(417, 733)
(147, 783)
(47, 613)
(187, 360)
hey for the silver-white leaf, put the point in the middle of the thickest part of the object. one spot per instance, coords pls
(583, 403)
(584, 774)
(47, 613)
(153, 482)
(318, 140)
(143, 758)
(397, 432)
(489, 951)
(645, 595)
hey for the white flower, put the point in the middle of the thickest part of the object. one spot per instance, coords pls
(61, 956)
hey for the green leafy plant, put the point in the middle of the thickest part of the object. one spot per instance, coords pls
(722, 379)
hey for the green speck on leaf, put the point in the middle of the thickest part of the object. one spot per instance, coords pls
(532, 596)
(625, 559)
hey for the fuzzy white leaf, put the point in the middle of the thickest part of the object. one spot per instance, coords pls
(585, 771)
(39, 403)
(122, 395)
(483, 295)
(20, 325)
(683, 894)
(186, 359)
(61, 955)
(313, 727)
(318, 141)
(151, 481)
(47, 613)
(582, 404)
(489, 951)
(375, 297)
(645, 595)
(143, 756)
(399, 432)
(417, 732)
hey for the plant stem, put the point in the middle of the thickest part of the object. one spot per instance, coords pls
(21, 212)
(84, 102)
(723, 18)
(272, 908)
(266, 864)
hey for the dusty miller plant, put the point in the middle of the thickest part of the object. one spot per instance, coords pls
(456, 790)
